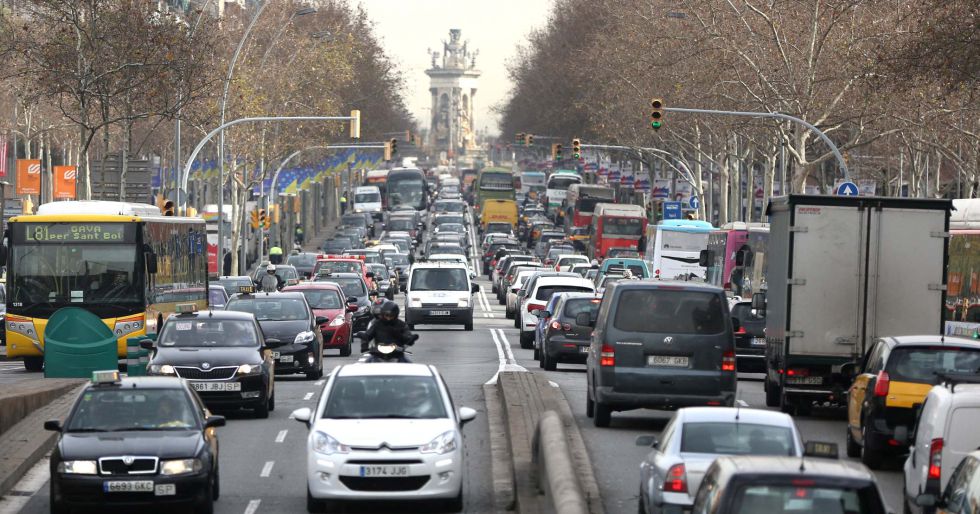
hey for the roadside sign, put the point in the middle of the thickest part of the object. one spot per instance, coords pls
(848, 189)
(694, 203)
(672, 210)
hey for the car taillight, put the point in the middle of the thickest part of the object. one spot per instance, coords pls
(532, 306)
(676, 481)
(548, 262)
(555, 325)
(510, 278)
(728, 361)
(936, 458)
(607, 356)
(740, 331)
(798, 372)
(881, 385)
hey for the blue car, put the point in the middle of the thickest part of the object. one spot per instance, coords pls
(542, 325)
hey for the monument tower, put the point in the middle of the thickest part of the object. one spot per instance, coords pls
(453, 84)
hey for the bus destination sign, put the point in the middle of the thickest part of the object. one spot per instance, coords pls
(75, 232)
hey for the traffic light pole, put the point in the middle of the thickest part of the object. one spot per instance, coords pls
(779, 116)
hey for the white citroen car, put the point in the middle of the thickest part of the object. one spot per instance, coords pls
(384, 432)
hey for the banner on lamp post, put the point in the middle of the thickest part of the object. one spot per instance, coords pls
(28, 176)
(64, 182)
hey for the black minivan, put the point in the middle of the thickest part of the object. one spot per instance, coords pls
(659, 345)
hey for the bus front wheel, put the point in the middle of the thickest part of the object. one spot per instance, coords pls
(33, 363)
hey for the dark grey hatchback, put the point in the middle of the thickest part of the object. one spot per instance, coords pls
(659, 345)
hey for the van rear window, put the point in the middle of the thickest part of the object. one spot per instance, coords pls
(921, 364)
(669, 311)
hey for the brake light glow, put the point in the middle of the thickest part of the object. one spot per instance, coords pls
(797, 372)
(555, 325)
(728, 361)
(607, 356)
(676, 481)
(936, 458)
(740, 331)
(532, 306)
(881, 385)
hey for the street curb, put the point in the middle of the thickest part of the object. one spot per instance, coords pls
(26, 442)
(553, 457)
(20, 399)
(502, 470)
(580, 456)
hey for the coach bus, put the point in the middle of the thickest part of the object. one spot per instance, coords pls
(674, 248)
(123, 262)
(407, 186)
(494, 183)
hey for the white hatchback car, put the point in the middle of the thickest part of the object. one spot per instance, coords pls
(539, 294)
(384, 431)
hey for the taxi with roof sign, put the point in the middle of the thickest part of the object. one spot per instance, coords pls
(222, 354)
(138, 441)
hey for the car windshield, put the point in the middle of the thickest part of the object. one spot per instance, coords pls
(447, 248)
(355, 220)
(200, 332)
(744, 312)
(367, 198)
(448, 219)
(351, 286)
(381, 272)
(323, 298)
(400, 224)
(562, 182)
(800, 498)
(577, 306)
(382, 396)
(452, 227)
(669, 311)
(272, 309)
(339, 267)
(281, 271)
(398, 259)
(925, 364)
(729, 438)
(303, 260)
(449, 207)
(231, 285)
(217, 297)
(439, 279)
(545, 292)
(113, 409)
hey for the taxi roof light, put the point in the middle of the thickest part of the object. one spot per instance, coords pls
(107, 376)
(186, 308)
(246, 289)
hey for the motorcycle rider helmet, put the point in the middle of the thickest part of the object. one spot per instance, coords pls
(389, 311)
(271, 269)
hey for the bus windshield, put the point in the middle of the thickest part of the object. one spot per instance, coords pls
(622, 227)
(563, 181)
(497, 181)
(95, 275)
(676, 241)
(406, 189)
(587, 205)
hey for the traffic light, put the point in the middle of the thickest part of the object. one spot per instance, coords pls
(255, 220)
(556, 152)
(529, 139)
(408, 136)
(168, 207)
(519, 138)
(576, 148)
(355, 124)
(394, 146)
(263, 219)
(656, 113)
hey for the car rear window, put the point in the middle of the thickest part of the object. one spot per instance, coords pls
(923, 364)
(745, 312)
(669, 311)
(545, 292)
(756, 498)
(579, 305)
(736, 439)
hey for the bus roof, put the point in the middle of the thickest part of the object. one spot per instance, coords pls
(497, 170)
(377, 173)
(98, 207)
(741, 225)
(620, 209)
(695, 226)
(532, 172)
(592, 190)
(565, 172)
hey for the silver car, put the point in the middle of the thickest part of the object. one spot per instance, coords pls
(671, 473)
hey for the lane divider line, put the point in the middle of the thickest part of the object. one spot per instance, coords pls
(506, 344)
(318, 383)
(308, 396)
(281, 436)
(253, 505)
(267, 469)
(505, 357)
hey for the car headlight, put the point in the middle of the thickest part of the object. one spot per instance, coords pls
(323, 443)
(336, 322)
(304, 337)
(249, 369)
(463, 302)
(415, 302)
(443, 443)
(180, 466)
(162, 369)
(78, 467)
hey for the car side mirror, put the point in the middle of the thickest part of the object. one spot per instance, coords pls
(466, 415)
(352, 307)
(704, 258)
(53, 425)
(736, 324)
(321, 320)
(584, 319)
(647, 441)
(474, 288)
(214, 421)
(759, 301)
(302, 415)
(146, 344)
(926, 500)
(370, 274)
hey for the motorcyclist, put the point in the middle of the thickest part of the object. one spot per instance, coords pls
(270, 282)
(389, 329)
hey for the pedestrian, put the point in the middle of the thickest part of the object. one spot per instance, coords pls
(299, 235)
(226, 265)
(275, 255)
(343, 204)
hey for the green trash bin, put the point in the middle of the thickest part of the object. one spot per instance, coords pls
(76, 343)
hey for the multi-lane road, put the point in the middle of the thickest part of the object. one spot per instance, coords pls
(263, 461)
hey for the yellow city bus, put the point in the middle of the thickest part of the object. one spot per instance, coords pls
(124, 262)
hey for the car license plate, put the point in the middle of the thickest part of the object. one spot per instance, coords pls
(758, 341)
(438, 313)
(128, 486)
(165, 490)
(285, 358)
(275, 355)
(583, 349)
(384, 471)
(216, 386)
(805, 380)
(668, 361)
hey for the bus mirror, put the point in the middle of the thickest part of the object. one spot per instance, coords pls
(704, 258)
(3, 255)
(151, 263)
(759, 301)
(740, 258)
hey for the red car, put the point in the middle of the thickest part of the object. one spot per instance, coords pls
(327, 299)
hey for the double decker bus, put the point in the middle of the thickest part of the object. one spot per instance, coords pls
(123, 262)
(494, 183)
(580, 203)
(674, 247)
(616, 225)
(407, 186)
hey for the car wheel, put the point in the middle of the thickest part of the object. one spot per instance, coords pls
(346, 349)
(509, 314)
(468, 326)
(315, 374)
(56, 507)
(206, 505)
(550, 363)
(411, 326)
(852, 447)
(772, 394)
(603, 415)
(537, 355)
(313, 504)
(34, 364)
(262, 409)
(216, 487)
(871, 453)
(527, 340)
(517, 321)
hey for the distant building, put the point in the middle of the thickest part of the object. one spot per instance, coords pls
(453, 81)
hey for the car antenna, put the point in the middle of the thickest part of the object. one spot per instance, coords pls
(738, 409)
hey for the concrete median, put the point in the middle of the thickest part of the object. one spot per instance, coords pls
(537, 468)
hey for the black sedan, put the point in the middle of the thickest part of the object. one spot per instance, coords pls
(222, 354)
(145, 441)
(356, 291)
(750, 338)
(291, 330)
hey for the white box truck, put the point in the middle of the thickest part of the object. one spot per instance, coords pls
(843, 271)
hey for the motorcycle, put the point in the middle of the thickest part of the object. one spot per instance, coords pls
(385, 352)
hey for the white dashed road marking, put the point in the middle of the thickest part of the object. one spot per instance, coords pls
(281, 436)
(308, 396)
(252, 506)
(267, 469)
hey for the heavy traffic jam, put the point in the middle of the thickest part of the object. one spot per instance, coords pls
(853, 306)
